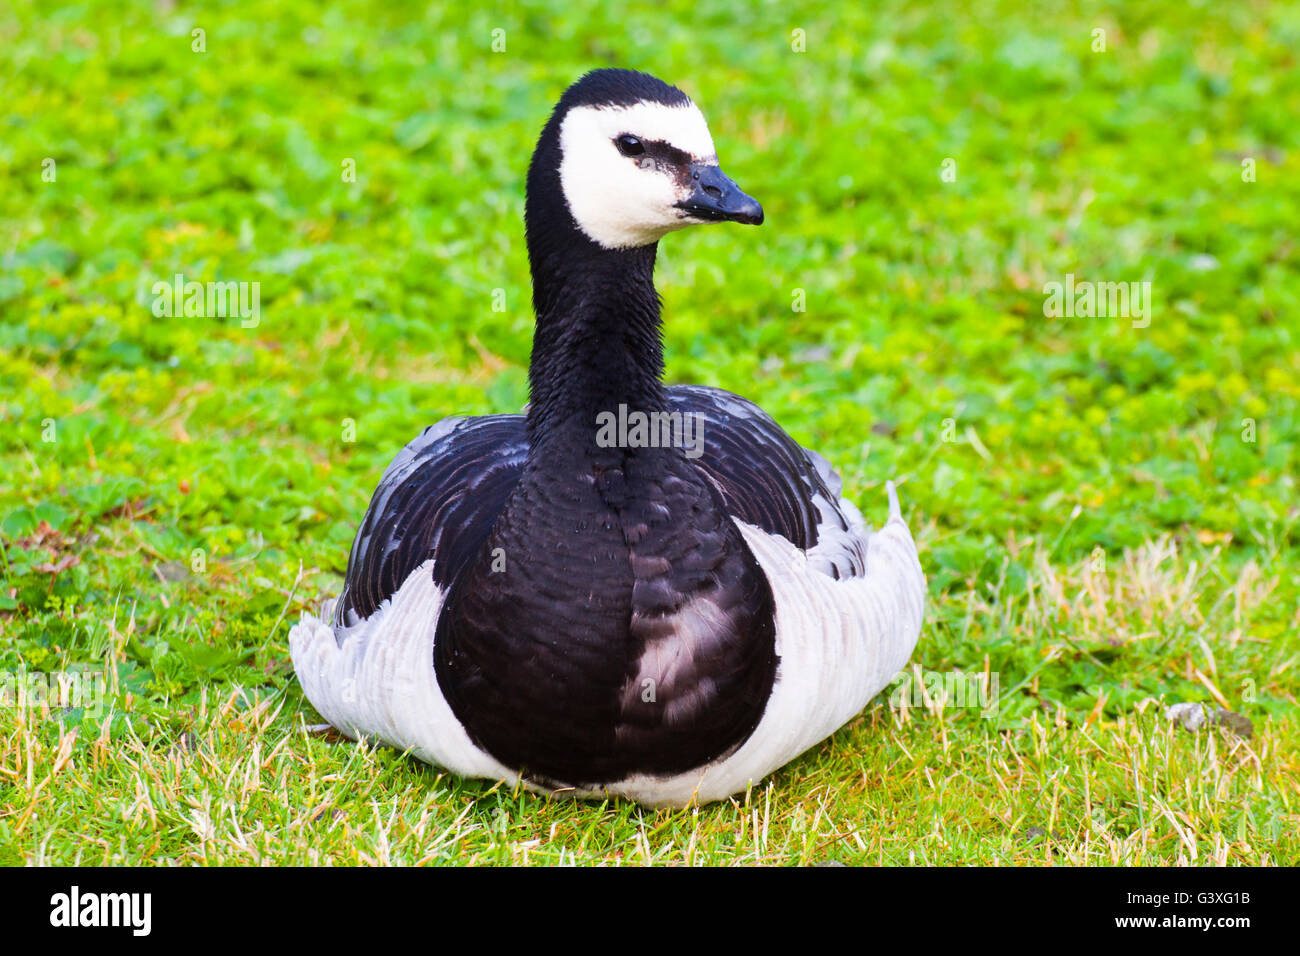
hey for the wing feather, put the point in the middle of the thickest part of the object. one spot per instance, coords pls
(438, 499)
(770, 481)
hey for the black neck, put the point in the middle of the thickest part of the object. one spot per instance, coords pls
(598, 342)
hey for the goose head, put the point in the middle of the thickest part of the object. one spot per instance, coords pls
(631, 159)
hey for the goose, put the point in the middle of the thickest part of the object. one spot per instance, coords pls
(553, 600)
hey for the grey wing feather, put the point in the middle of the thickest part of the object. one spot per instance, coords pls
(769, 480)
(439, 498)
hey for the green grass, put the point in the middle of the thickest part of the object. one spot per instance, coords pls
(1095, 529)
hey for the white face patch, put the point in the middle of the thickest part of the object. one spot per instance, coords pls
(615, 201)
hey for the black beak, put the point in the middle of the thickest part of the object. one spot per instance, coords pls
(717, 199)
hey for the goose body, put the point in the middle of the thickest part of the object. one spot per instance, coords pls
(591, 608)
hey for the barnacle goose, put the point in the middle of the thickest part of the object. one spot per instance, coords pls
(525, 601)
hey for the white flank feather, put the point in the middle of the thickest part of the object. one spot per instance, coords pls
(376, 678)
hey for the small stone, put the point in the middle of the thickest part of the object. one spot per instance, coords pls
(1236, 723)
(1191, 716)
(1194, 716)
(1033, 834)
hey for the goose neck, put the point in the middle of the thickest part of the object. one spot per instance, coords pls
(598, 341)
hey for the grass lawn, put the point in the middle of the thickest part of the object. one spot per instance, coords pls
(1106, 506)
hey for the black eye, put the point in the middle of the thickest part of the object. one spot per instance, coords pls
(629, 145)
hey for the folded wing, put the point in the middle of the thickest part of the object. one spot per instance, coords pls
(438, 499)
